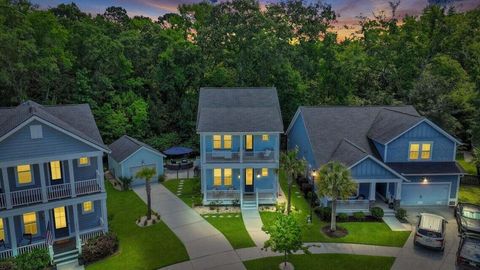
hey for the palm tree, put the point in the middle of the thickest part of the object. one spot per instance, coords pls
(147, 174)
(476, 159)
(335, 183)
(292, 166)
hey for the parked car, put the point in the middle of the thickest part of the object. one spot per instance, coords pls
(430, 231)
(468, 254)
(468, 218)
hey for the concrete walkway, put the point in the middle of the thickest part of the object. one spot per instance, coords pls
(206, 246)
(396, 225)
(253, 224)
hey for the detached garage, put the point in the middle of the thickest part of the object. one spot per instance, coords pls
(129, 155)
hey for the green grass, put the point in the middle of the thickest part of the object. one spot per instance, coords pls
(190, 191)
(369, 233)
(324, 261)
(140, 248)
(469, 167)
(469, 194)
(233, 229)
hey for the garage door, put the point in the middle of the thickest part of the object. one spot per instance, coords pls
(134, 170)
(425, 194)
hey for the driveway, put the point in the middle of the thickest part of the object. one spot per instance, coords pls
(412, 257)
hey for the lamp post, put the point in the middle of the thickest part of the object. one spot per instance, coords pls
(311, 197)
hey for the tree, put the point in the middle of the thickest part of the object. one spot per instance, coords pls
(476, 159)
(147, 174)
(285, 236)
(335, 183)
(293, 167)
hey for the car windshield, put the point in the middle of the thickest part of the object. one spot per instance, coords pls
(429, 233)
(470, 213)
(471, 250)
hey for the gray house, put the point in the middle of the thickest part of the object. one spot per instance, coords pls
(129, 155)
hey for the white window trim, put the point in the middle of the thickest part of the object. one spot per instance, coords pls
(36, 221)
(88, 212)
(84, 165)
(17, 184)
(420, 143)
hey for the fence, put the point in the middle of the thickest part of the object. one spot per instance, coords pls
(470, 179)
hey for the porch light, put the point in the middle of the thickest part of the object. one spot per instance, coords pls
(424, 180)
(258, 175)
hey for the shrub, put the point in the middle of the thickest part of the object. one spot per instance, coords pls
(8, 264)
(99, 247)
(197, 201)
(236, 203)
(280, 207)
(161, 178)
(37, 259)
(126, 182)
(377, 212)
(360, 216)
(401, 214)
(342, 217)
(324, 213)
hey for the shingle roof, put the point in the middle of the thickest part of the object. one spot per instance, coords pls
(406, 168)
(330, 128)
(390, 123)
(76, 119)
(125, 146)
(239, 110)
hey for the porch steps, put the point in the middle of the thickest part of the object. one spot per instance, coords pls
(388, 212)
(65, 257)
(249, 202)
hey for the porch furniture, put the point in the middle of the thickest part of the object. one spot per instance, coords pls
(2, 245)
(26, 238)
(267, 153)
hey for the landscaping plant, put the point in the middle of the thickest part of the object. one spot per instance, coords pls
(377, 212)
(36, 259)
(147, 174)
(401, 214)
(476, 159)
(126, 182)
(99, 247)
(293, 167)
(359, 216)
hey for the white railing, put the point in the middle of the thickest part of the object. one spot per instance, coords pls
(84, 236)
(350, 206)
(267, 155)
(87, 186)
(59, 191)
(5, 254)
(3, 202)
(222, 156)
(221, 195)
(266, 196)
(28, 196)
(29, 248)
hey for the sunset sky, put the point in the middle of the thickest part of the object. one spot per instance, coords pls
(348, 10)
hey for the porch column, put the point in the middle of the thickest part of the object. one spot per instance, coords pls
(203, 181)
(371, 195)
(104, 214)
(398, 191)
(77, 227)
(13, 236)
(203, 144)
(6, 188)
(43, 183)
(241, 147)
(277, 150)
(100, 172)
(72, 178)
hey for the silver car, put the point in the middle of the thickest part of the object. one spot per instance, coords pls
(430, 231)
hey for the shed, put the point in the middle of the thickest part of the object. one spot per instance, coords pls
(129, 155)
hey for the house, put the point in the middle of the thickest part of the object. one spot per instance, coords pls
(239, 132)
(394, 154)
(51, 177)
(129, 155)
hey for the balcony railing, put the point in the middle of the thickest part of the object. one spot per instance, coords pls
(28, 196)
(5, 254)
(223, 156)
(266, 196)
(223, 195)
(87, 187)
(28, 248)
(266, 155)
(84, 236)
(59, 191)
(350, 206)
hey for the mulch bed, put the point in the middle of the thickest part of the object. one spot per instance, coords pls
(339, 233)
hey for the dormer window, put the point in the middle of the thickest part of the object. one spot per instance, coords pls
(36, 132)
(420, 150)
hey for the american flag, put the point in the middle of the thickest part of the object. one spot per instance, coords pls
(48, 234)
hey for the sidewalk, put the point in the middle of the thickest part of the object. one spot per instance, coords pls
(253, 224)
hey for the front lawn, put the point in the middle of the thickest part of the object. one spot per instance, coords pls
(324, 261)
(469, 194)
(231, 225)
(140, 248)
(469, 167)
(190, 191)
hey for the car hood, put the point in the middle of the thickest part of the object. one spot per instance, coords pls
(471, 224)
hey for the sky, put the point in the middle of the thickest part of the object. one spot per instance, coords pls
(347, 10)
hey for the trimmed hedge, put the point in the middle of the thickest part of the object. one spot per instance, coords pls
(342, 217)
(37, 259)
(99, 247)
(377, 212)
(401, 214)
(359, 216)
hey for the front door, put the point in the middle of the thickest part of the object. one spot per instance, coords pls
(60, 222)
(249, 180)
(56, 172)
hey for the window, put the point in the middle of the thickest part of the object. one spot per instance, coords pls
(217, 177)
(55, 170)
(227, 177)
(227, 141)
(2, 230)
(426, 150)
(265, 137)
(414, 151)
(60, 217)
(24, 174)
(84, 161)
(36, 132)
(264, 171)
(248, 142)
(87, 207)
(30, 223)
(420, 151)
(249, 176)
(217, 141)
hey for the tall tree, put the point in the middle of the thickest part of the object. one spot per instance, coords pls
(293, 167)
(147, 174)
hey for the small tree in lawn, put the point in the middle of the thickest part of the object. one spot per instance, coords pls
(292, 166)
(476, 159)
(285, 236)
(335, 183)
(147, 174)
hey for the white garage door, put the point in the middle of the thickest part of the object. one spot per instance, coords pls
(425, 194)
(134, 170)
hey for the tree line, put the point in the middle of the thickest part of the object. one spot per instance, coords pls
(141, 77)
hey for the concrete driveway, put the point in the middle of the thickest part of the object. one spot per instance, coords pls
(412, 257)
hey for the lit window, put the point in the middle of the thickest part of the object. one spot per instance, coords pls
(426, 150)
(217, 141)
(60, 217)
(55, 170)
(264, 171)
(87, 207)
(227, 177)
(2, 230)
(414, 151)
(84, 161)
(217, 177)
(24, 174)
(227, 141)
(249, 176)
(248, 142)
(265, 137)
(30, 223)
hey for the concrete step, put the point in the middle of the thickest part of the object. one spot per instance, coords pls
(58, 255)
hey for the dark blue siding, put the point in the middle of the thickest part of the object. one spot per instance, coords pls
(370, 169)
(297, 137)
(380, 149)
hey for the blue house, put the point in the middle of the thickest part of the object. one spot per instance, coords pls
(239, 132)
(394, 154)
(51, 177)
(129, 155)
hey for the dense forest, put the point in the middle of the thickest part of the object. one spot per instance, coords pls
(141, 77)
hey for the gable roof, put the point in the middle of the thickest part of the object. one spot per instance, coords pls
(390, 123)
(76, 119)
(125, 146)
(239, 110)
